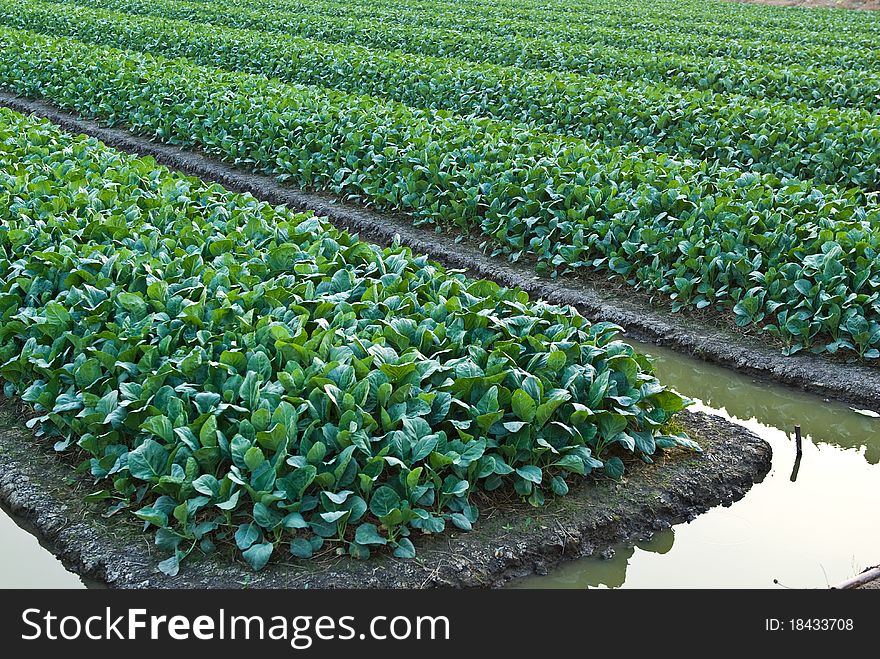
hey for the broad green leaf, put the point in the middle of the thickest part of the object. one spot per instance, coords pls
(404, 549)
(149, 461)
(368, 534)
(301, 548)
(383, 501)
(258, 555)
(246, 535)
(530, 473)
(614, 467)
(523, 405)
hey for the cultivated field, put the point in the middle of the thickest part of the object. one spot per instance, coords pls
(242, 375)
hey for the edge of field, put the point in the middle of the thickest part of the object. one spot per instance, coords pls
(865, 5)
(691, 333)
(511, 539)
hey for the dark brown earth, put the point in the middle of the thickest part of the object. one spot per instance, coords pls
(694, 333)
(511, 539)
(819, 4)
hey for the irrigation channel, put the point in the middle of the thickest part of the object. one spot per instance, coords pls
(810, 523)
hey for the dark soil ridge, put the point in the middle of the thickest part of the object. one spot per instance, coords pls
(510, 540)
(688, 333)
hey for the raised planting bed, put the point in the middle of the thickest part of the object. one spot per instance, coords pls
(237, 375)
(512, 539)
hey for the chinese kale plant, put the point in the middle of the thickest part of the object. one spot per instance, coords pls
(237, 373)
(785, 256)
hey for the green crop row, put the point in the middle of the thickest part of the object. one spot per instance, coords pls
(721, 75)
(631, 17)
(797, 259)
(828, 145)
(711, 14)
(595, 27)
(238, 373)
(721, 15)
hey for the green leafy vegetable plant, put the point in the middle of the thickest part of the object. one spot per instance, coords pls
(743, 242)
(246, 376)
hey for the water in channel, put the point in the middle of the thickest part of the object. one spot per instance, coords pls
(810, 524)
(25, 562)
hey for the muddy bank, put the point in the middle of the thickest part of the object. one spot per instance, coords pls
(690, 333)
(511, 538)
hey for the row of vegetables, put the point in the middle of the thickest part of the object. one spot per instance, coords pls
(847, 30)
(797, 259)
(837, 86)
(601, 26)
(241, 375)
(825, 145)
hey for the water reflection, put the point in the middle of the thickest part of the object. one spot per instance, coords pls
(745, 398)
(610, 572)
(796, 468)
